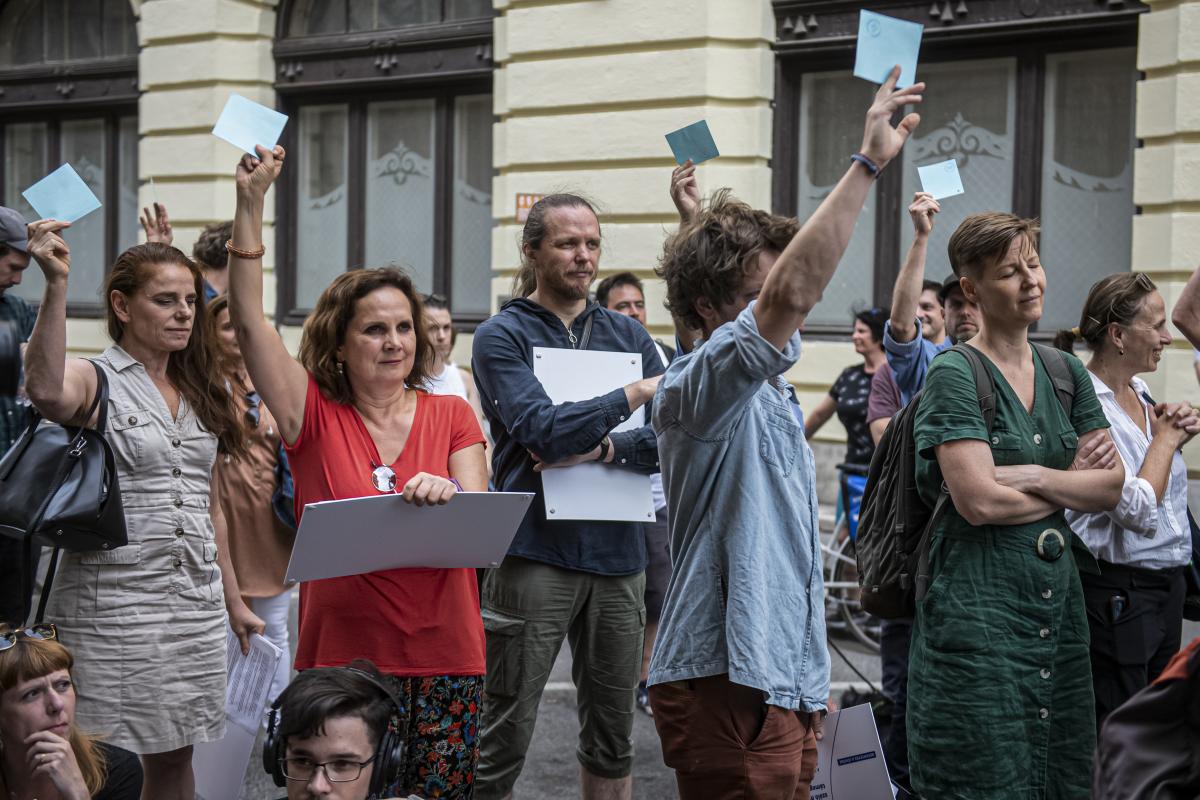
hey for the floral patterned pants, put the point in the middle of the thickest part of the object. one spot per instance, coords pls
(441, 713)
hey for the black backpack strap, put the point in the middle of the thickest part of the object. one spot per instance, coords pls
(985, 387)
(1059, 370)
(939, 511)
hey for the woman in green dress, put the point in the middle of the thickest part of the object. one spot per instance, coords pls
(1000, 694)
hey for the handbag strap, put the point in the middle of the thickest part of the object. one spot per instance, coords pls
(46, 584)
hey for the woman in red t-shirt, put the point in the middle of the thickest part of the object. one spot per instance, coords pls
(354, 427)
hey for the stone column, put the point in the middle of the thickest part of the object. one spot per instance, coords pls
(1166, 235)
(194, 53)
(584, 95)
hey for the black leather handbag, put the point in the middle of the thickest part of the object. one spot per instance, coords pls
(58, 487)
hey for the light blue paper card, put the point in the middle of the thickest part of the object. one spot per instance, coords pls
(245, 123)
(884, 42)
(941, 180)
(61, 195)
(694, 142)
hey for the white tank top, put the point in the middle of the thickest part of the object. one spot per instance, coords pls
(449, 382)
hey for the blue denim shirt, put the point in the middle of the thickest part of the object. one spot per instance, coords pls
(910, 360)
(746, 595)
(523, 420)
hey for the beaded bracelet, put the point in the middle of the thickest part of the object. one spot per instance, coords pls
(246, 254)
(870, 165)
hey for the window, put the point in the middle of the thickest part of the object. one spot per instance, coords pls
(69, 84)
(1038, 113)
(393, 139)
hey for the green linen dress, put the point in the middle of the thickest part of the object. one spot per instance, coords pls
(1000, 691)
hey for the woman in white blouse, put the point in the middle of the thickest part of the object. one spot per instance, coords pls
(1135, 604)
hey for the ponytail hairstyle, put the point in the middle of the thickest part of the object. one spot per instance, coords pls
(525, 281)
(193, 370)
(28, 659)
(1114, 300)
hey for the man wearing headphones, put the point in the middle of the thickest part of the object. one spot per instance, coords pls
(333, 734)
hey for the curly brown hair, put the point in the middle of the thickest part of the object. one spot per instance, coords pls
(191, 370)
(708, 256)
(325, 328)
(209, 249)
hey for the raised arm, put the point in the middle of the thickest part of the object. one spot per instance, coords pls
(1186, 315)
(798, 279)
(906, 294)
(61, 390)
(279, 378)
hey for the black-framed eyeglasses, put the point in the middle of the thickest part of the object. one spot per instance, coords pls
(341, 770)
(43, 631)
(253, 415)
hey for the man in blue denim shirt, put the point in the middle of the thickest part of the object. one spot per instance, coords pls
(578, 579)
(739, 678)
(918, 330)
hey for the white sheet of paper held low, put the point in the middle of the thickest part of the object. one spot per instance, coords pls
(593, 491)
(220, 765)
(368, 534)
(850, 763)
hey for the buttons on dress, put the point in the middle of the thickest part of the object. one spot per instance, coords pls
(179, 531)
(179, 502)
(175, 443)
(1037, 438)
(1045, 673)
(1047, 594)
(176, 472)
(995, 440)
(1044, 632)
(178, 563)
(1043, 712)
(133, 420)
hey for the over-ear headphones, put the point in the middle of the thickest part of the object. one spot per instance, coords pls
(389, 751)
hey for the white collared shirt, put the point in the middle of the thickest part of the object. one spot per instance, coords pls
(1139, 532)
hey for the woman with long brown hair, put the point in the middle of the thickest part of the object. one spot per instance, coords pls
(148, 619)
(43, 754)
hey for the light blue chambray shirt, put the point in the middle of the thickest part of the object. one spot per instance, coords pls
(746, 595)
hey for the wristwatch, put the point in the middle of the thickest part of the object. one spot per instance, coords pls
(605, 444)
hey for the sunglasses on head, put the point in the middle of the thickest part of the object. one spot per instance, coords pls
(43, 631)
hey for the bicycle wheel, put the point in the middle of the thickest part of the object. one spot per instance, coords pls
(844, 572)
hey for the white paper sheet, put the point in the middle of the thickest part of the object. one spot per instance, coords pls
(367, 534)
(220, 766)
(592, 491)
(850, 763)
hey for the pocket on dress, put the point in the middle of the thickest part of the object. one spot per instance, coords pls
(130, 427)
(955, 611)
(505, 646)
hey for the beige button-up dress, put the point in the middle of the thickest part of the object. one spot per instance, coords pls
(146, 622)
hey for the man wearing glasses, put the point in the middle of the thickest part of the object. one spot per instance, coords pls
(330, 735)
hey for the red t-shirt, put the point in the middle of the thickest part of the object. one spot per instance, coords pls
(407, 621)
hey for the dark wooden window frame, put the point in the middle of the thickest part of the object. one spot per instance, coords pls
(438, 61)
(56, 92)
(1004, 33)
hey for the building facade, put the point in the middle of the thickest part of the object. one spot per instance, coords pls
(413, 125)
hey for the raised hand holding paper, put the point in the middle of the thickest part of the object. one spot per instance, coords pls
(245, 123)
(694, 142)
(884, 42)
(941, 180)
(61, 195)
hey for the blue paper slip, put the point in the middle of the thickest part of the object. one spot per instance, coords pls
(694, 142)
(244, 123)
(884, 42)
(941, 180)
(61, 195)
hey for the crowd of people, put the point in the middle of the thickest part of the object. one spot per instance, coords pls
(1057, 572)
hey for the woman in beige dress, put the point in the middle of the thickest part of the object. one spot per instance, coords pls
(259, 543)
(147, 620)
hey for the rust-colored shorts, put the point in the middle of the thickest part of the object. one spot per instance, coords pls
(724, 742)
